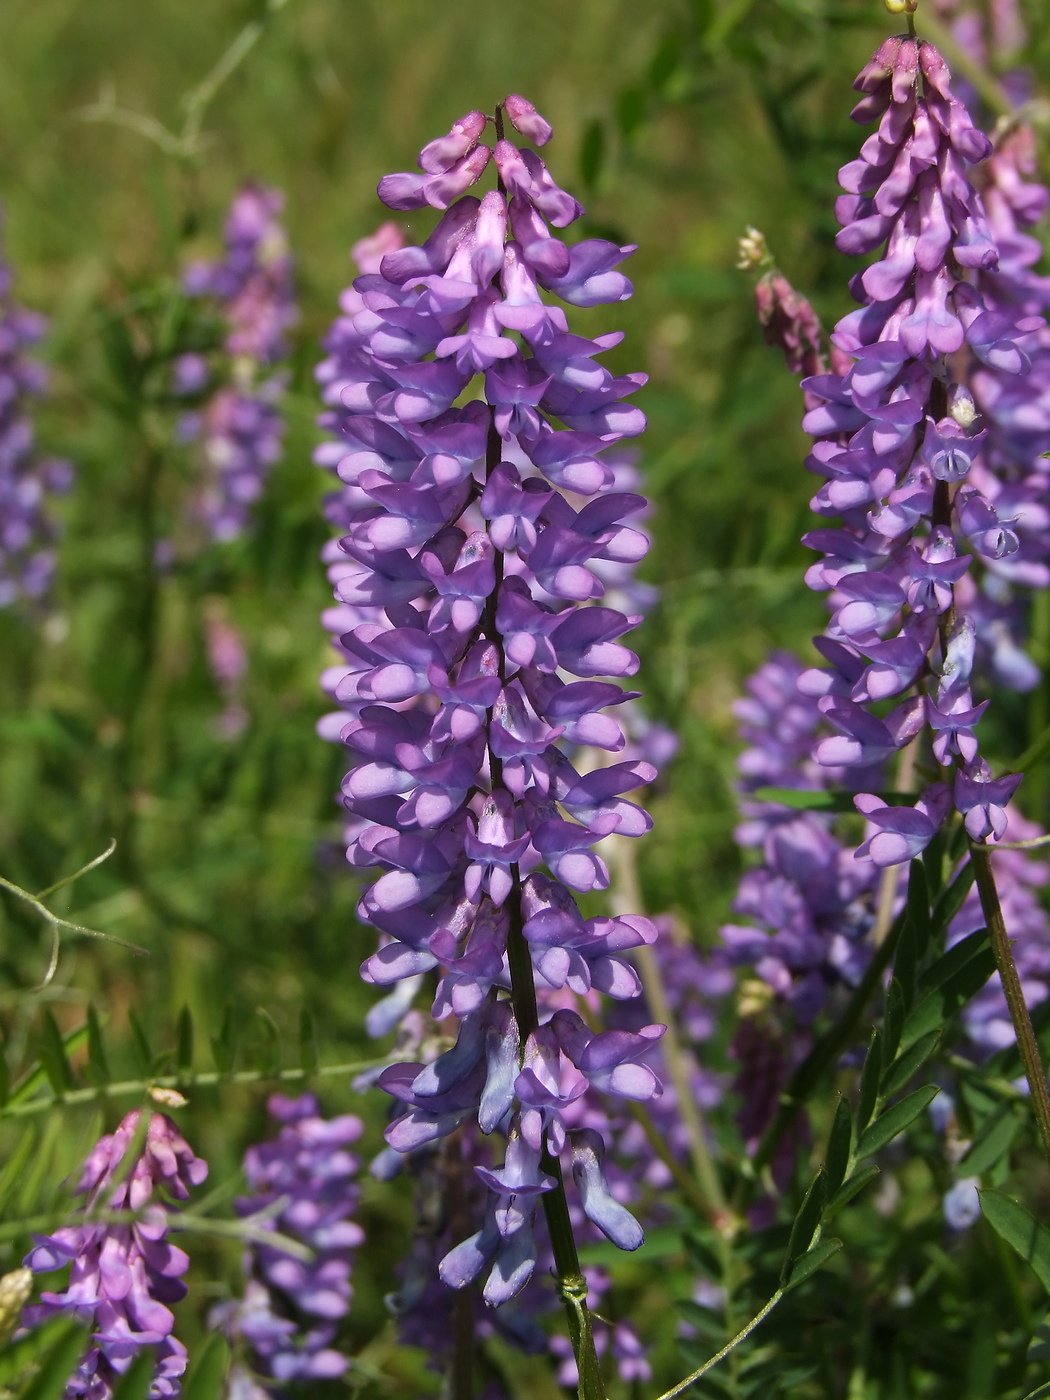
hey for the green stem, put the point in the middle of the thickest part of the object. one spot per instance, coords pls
(729, 1347)
(1013, 991)
(627, 899)
(826, 1050)
(74, 1097)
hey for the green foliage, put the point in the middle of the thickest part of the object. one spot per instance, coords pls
(1030, 1239)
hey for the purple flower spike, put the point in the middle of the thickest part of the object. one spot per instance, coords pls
(27, 480)
(241, 428)
(472, 657)
(303, 1185)
(124, 1276)
(929, 523)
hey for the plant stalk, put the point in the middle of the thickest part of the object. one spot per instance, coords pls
(1013, 991)
(571, 1284)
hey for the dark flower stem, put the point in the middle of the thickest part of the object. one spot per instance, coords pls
(825, 1051)
(572, 1286)
(1012, 990)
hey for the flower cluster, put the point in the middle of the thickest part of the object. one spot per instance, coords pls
(897, 446)
(303, 1184)
(27, 532)
(1012, 470)
(471, 531)
(240, 427)
(811, 903)
(446, 1180)
(124, 1276)
(812, 906)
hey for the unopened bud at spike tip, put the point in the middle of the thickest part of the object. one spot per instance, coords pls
(15, 1289)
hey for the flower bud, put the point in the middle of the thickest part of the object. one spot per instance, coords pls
(15, 1289)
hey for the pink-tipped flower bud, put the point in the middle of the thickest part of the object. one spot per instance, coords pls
(524, 118)
(438, 156)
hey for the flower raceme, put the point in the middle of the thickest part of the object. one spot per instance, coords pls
(900, 451)
(469, 582)
(304, 1185)
(27, 532)
(124, 1276)
(241, 426)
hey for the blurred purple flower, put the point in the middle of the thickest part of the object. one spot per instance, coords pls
(27, 479)
(124, 1276)
(303, 1185)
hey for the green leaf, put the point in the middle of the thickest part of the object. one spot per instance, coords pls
(804, 800)
(134, 1384)
(5, 1078)
(896, 1008)
(592, 152)
(143, 1053)
(954, 960)
(665, 59)
(840, 1139)
(908, 1064)
(307, 1042)
(809, 1216)
(1009, 1219)
(208, 1371)
(940, 1006)
(1041, 1393)
(1039, 1346)
(811, 1261)
(184, 1041)
(49, 1382)
(710, 1325)
(18, 1356)
(896, 1119)
(631, 109)
(869, 1083)
(704, 1260)
(269, 1055)
(918, 908)
(36, 1077)
(15, 1165)
(53, 1056)
(953, 898)
(98, 1064)
(993, 1142)
(224, 1045)
(851, 1187)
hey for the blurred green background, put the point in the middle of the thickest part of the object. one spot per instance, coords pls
(678, 123)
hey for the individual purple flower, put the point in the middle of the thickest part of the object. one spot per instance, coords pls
(27, 479)
(962, 1203)
(303, 1185)
(240, 428)
(468, 580)
(124, 1276)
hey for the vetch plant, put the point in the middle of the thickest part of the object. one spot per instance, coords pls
(27, 479)
(240, 426)
(124, 1275)
(471, 526)
(303, 1184)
